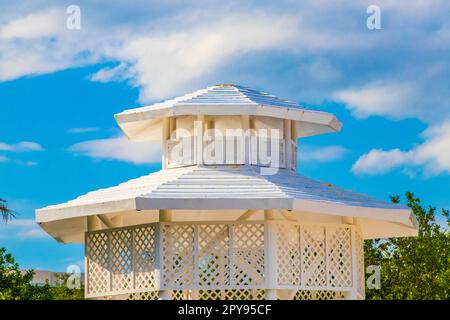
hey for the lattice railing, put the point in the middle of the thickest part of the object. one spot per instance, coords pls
(224, 260)
(121, 260)
(314, 256)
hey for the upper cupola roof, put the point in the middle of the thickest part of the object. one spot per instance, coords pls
(145, 123)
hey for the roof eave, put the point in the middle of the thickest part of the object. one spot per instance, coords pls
(312, 122)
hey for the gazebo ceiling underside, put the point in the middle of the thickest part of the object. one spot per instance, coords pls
(225, 188)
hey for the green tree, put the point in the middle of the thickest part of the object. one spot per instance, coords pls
(16, 284)
(7, 214)
(62, 292)
(413, 267)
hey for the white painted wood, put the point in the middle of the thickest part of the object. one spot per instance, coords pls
(93, 223)
(247, 215)
(199, 133)
(196, 254)
(245, 123)
(141, 244)
(220, 188)
(230, 253)
(165, 137)
(164, 216)
(106, 221)
(271, 251)
(288, 143)
(245, 231)
(225, 101)
(270, 294)
(353, 294)
(165, 295)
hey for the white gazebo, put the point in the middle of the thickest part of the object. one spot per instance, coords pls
(227, 217)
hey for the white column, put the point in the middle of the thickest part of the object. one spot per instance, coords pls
(288, 144)
(92, 224)
(165, 137)
(270, 255)
(353, 294)
(252, 141)
(294, 135)
(199, 129)
(245, 123)
(164, 216)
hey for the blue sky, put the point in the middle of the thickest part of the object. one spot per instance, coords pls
(59, 89)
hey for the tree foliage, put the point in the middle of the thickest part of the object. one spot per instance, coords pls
(7, 214)
(413, 267)
(17, 285)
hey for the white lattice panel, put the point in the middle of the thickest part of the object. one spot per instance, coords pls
(313, 256)
(178, 253)
(222, 260)
(150, 295)
(145, 255)
(288, 259)
(339, 256)
(248, 254)
(303, 295)
(97, 251)
(211, 295)
(121, 260)
(244, 294)
(213, 257)
(180, 295)
(318, 295)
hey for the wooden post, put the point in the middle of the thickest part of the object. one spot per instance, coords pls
(270, 255)
(164, 216)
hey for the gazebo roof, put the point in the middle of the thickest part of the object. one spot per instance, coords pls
(222, 188)
(144, 123)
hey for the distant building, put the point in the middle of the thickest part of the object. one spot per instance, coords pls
(41, 277)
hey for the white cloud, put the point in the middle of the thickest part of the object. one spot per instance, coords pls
(321, 154)
(433, 155)
(119, 149)
(164, 63)
(378, 98)
(42, 24)
(321, 50)
(23, 146)
(23, 229)
(117, 73)
(378, 161)
(82, 130)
